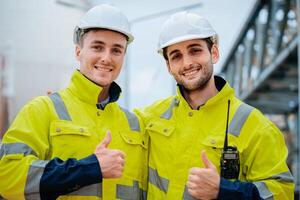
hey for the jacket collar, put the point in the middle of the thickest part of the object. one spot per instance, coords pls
(225, 92)
(88, 91)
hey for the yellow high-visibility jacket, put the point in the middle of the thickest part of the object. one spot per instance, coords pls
(178, 134)
(67, 125)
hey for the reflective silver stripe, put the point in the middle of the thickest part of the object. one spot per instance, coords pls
(186, 195)
(129, 192)
(160, 182)
(16, 148)
(239, 118)
(263, 189)
(90, 190)
(32, 187)
(60, 107)
(132, 120)
(264, 192)
(168, 113)
(144, 197)
(284, 177)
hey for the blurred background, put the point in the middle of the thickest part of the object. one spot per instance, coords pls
(259, 44)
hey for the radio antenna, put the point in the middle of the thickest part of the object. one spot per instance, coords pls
(226, 132)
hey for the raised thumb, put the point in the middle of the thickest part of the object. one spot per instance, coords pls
(207, 163)
(105, 142)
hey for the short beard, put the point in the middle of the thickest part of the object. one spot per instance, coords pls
(201, 83)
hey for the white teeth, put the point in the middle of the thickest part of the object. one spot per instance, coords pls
(103, 69)
(192, 72)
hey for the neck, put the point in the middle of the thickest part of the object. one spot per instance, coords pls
(103, 94)
(199, 96)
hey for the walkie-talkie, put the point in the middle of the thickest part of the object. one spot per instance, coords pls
(230, 162)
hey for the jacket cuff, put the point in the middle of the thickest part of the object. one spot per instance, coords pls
(62, 177)
(237, 190)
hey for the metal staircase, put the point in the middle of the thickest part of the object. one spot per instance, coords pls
(263, 67)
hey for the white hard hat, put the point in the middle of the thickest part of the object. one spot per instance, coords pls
(184, 26)
(103, 16)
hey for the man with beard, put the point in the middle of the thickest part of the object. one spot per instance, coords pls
(189, 157)
(53, 148)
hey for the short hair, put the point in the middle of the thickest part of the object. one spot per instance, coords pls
(210, 41)
(85, 31)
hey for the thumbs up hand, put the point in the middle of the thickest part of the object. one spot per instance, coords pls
(203, 183)
(111, 161)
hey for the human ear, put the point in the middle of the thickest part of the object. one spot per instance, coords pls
(215, 54)
(77, 51)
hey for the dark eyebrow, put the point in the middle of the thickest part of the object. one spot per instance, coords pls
(194, 45)
(173, 52)
(98, 42)
(119, 46)
(190, 46)
(103, 43)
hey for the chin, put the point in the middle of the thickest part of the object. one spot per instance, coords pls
(104, 84)
(102, 81)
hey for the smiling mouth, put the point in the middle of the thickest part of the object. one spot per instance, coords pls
(191, 72)
(103, 69)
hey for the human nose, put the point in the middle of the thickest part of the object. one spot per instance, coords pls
(105, 57)
(187, 62)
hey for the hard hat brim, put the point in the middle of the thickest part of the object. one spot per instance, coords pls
(130, 37)
(182, 39)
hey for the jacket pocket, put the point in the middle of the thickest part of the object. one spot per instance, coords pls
(71, 140)
(134, 145)
(135, 138)
(163, 142)
(161, 126)
(216, 141)
(214, 144)
(58, 128)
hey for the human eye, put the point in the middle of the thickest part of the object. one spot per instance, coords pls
(195, 50)
(175, 56)
(97, 48)
(117, 51)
